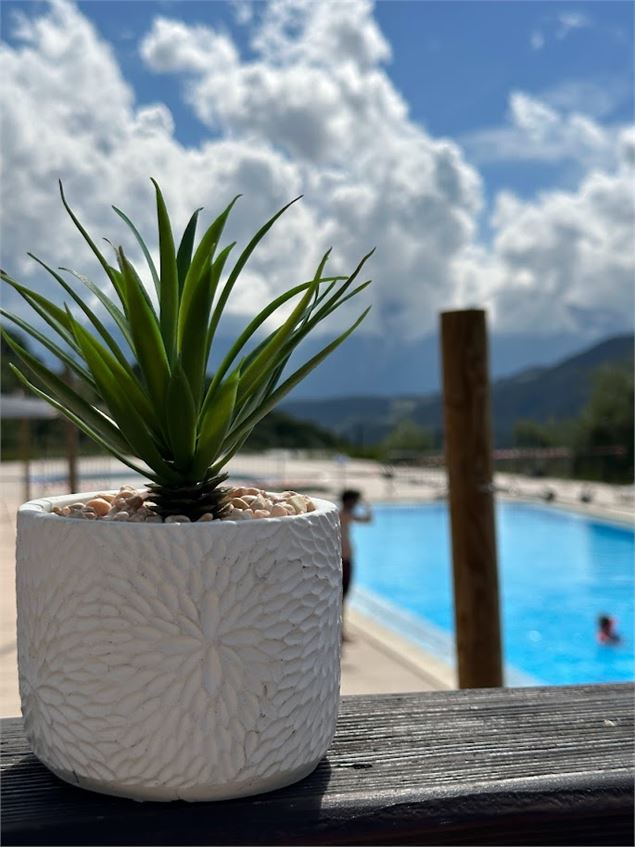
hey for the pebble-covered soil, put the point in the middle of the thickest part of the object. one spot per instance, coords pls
(133, 504)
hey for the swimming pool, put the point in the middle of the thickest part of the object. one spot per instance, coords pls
(558, 571)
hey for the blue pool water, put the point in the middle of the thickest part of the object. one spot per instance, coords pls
(558, 571)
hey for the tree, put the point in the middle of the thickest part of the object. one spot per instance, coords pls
(607, 421)
(407, 437)
(278, 429)
(531, 434)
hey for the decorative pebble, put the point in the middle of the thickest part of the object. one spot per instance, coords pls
(244, 503)
(134, 502)
(242, 490)
(239, 515)
(298, 502)
(100, 505)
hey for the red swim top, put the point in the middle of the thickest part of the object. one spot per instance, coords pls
(607, 634)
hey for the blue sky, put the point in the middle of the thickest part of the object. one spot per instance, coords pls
(485, 148)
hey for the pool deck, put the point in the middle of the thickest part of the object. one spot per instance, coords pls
(374, 659)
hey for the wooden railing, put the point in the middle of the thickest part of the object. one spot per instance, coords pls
(516, 766)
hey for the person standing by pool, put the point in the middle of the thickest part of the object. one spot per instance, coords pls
(351, 500)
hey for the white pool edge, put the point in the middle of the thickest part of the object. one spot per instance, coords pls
(436, 648)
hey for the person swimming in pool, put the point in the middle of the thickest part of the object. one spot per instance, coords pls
(606, 633)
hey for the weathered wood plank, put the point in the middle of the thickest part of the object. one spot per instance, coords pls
(496, 766)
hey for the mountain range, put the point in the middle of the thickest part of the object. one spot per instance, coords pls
(543, 393)
(391, 365)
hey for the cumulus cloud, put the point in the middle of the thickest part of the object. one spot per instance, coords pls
(558, 27)
(316, 91)
(243, 11)
(565, 260)
(173, 46)
(313, 111)
(570, 21)
(69, 114)
(326, 34)
(596, 98)
(370, 176)
(537, 40)
(537, 131)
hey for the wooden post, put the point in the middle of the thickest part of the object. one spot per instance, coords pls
(468, 457)
(71, 445)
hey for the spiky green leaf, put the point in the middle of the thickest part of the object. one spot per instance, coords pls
(214, 425)
(240, 264)
(144, 249)
(184, 253)
(256, 373)
(251, 329)
(113, 381)
(181, 415)
(146, 336)
(131, 423)
(169, 288)
(70, 398)
(204, 253)
(193, 328)
(92, 317)
(62, 355)
(49, 312)
(275, 397)
(113, 310)
(79, 423)
(100, 257)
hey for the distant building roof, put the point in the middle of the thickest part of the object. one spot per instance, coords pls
(15, 406)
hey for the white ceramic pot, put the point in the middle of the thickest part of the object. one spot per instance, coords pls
(179, 661)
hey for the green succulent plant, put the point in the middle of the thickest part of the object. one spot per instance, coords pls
(155, 401)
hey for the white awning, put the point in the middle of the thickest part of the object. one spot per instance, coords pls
(15, 406)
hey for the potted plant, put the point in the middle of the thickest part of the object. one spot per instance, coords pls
(169, 647)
